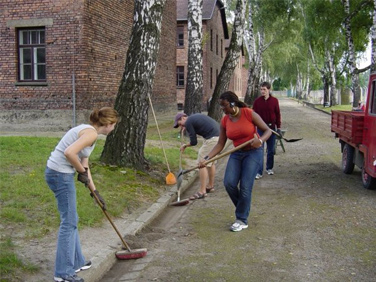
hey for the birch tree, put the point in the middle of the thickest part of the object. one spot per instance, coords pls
(125, 145)
(255, 50)
(230, 62)
(268, 25)
(349, 16)
(194, 89)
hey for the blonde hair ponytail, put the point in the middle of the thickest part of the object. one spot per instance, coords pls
(104, 116)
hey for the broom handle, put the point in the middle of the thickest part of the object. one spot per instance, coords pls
(108, 217)
(159, 133)
(221, 155)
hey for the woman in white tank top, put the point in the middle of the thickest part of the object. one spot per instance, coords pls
(70, 155)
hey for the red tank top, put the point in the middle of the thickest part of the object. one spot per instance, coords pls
(241, 130)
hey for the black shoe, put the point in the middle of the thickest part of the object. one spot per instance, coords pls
(73, 278)
(87, 265)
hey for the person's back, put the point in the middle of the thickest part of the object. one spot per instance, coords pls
(202, 125)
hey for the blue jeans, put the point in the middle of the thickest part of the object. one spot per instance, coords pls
(241, 170)
(69, 256)
(270, 152)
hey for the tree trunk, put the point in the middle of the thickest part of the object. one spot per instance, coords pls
(231, 59)
(251, 48)
(253, 84)
(299, 85)
(352, 60)
(194, 90)
(307, 88)
(250, 85)
(125, 145)
(333, 79)
(326, 90)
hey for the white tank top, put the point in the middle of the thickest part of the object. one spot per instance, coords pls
(57, 160)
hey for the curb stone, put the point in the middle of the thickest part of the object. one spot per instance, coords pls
(105, 259)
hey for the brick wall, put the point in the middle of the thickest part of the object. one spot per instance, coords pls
(164, 88)
(236, 82)
(106, 29)
(182, 60)
(57, 94)
(88, 38)
(210, 57)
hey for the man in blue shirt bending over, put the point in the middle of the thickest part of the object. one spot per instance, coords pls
(208, 128)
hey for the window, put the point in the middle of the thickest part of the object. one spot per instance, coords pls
(216, 44)
(180, 36)
(211, 40)
(31, 54)
(221, 48)
(211, 78)
(180, 76)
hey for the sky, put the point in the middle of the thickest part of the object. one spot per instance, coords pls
(365, 58)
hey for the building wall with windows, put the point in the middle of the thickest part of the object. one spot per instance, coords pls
(215, 35)
(237, 81)
(181, 62)
(83, 52)
(214, 51)
(27, 92)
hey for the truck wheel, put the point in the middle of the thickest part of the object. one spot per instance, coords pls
(347, 159)
(369, 182)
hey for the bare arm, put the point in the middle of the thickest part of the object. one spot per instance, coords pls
(218, 147)
(257, 120)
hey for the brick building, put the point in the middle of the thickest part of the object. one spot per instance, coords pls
(215, 37)
(70, 54)
(238, 82)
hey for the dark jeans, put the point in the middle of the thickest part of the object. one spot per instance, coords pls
(270, 151)
(239, 178)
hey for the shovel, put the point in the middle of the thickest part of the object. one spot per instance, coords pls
(281, 137)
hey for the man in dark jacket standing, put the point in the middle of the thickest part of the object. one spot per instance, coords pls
(208, 128)
(267, 107)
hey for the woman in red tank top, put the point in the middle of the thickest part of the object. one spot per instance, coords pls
(239, 125)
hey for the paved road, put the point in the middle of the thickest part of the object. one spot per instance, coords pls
(309, 222)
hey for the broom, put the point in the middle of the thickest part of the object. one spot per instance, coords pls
(122, 255)
(170, 178)
(179, 202)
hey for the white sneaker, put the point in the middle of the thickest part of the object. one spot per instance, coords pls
(87, 265)
(238, 226)
(258, 176)
(269, 171)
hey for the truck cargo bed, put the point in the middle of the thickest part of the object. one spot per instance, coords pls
(348, 126)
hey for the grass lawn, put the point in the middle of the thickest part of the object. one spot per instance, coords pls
(28, 207)
(335, 108)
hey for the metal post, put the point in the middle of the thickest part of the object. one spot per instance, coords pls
(74, 98)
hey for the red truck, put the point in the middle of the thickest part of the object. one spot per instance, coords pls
(356, 131)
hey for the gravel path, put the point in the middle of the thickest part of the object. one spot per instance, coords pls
(309, 221)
